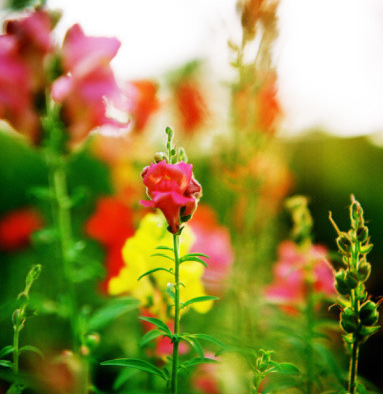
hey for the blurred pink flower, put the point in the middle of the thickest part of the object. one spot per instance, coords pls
(88, 82)
(213, 240)
(23, 50)
(289, 286)
(205, 377)
(172, 189)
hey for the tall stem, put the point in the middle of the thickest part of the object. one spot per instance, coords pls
(354, 352)
(309, 327)
(174, 382)
(62, 218)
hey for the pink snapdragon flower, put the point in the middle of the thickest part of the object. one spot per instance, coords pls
(289, 287)
(173, 190)
(213, 240)
(23, 51)
(89, 80)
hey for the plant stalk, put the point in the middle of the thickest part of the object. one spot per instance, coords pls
(354, 352)
(174, 381)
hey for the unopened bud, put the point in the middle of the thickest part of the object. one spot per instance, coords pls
(348, 320)
(344, 243)
(352, 279)
(84, 350)
(364, 270)
(368, 313)
(93, 339)
(362, 234)
(33, 274)
(340, 283)
(170, 133)
(159, 156)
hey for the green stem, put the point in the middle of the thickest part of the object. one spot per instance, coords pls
(310, 335)
(174, 381)
(62, 218)
(354, 352)
(16, 335)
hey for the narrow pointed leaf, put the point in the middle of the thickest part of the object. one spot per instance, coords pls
(123, 377)
(199, 299)
(6, 350)
(164, 248)
(136, 364)
(6, 363)
(149, 336)
(193, 258)
(198, 361)
(285, 368)
(194, 344)
(158, 323)
(162, 255)
(29, 348)
(195, 255)
(152, 271)
(211, 339)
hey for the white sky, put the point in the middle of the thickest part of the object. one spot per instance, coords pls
(329, 56)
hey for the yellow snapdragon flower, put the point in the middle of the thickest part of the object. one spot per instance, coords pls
(137, 253)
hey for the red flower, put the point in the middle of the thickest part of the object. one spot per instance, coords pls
(269, 107)
(17, 227)
(111, 225)
(173, 190)
(142, 102)
(191, 105)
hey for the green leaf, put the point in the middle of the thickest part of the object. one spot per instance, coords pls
(195, 255)
(149, 336)
(209, 338)
(164, 248)
(137, 364)
(162, 255)
(6, 363)
(198, 361)
(199, 299)
(193, 258)
(6, 350)
(110, 312)
(154, 270)
(194, 344)
(29, 348)
(158, 323)
(285, 368)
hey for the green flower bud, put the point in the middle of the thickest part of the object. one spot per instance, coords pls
(362, 234)
(364, 271)
(340, 283)
(159, 156)
(356, 212)
(344, 243)
(348, 320)
(368, 313)
(352, 279)
(366, 248)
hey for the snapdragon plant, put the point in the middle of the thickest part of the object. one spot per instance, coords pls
(175, 192)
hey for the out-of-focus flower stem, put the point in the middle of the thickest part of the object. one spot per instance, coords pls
(310, 334)
(354, 351)
(63, 220)
(174, 381)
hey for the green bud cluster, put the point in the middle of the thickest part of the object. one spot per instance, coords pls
(359, 315)
(302, 220)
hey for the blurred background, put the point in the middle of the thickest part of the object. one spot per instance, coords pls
(325, 61)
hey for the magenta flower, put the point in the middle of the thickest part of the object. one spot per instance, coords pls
(213, 240)
(88, 82)
(173, 190)
(290, 277)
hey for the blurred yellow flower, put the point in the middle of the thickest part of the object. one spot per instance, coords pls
(137, 253)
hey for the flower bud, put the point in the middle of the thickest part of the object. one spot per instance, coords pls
(344, 243)
(368, 313)
(362, 234)
(364, 270)
(366, 249)
(159, 156)
(348, 320)
(340, 283)
(33, 274)
(92, 340)
(352, 279)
